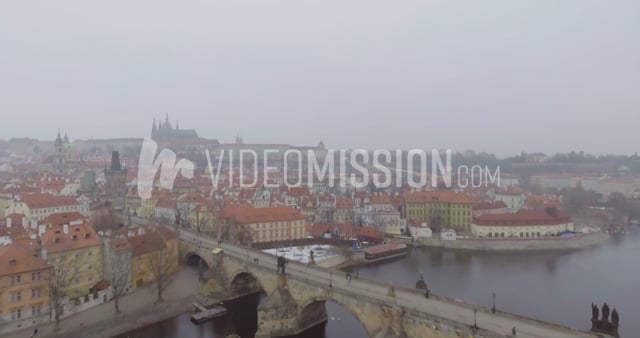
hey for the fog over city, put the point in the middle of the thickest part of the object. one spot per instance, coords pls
(496, 76)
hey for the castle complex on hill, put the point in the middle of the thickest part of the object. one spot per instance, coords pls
(166, 132)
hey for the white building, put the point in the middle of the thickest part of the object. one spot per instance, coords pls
(421, 231)
(448, 235)
(38, 206)
(523, 224)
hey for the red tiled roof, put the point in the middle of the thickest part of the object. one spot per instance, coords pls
(15, 258)
(344, 203)
(381, 199)
(249, 214)
(16, 219)
(489, 205)
(78, 236)
(362, 233)
(61, 218)
(191, 198)
(436, 197)
(36, 201)
(166, 203)
(523, 217)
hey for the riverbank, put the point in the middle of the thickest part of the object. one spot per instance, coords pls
(515, 244)
(138, 309)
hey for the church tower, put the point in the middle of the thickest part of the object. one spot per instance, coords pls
(154, 130)
(62, 153)
(116, 182)
(58, 144)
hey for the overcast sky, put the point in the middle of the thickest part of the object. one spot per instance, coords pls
(498, 76)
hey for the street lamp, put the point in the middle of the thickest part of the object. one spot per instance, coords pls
(493, 309)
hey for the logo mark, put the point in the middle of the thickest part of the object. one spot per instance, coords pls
(149, 164)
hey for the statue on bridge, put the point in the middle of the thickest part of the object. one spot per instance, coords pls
(421, 283)
(602, 324)
(614, 318)
(605, 312)
(282, 262)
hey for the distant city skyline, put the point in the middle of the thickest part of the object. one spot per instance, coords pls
(492, 76)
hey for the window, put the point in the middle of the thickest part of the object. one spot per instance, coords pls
(35, 293)
(35, 276)
(36, 310)
(16, 280)
(16, 297)
(16, 314)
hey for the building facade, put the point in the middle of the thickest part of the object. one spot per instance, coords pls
(439, 209)
(523, 224)
(24, 287)
(73, 248)
(39, 206)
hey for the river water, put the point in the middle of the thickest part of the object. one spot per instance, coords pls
(552, 286)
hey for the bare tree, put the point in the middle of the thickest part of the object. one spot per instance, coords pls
(60, 279)
(163, 268)
(120, 278)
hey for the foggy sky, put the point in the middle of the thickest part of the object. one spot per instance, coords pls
(497, 76)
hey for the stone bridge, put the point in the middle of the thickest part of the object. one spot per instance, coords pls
(297, 299)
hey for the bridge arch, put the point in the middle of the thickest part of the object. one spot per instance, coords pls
(313, 311)
(243, 282)
(196, 260)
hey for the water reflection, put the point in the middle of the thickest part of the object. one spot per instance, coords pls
(243, 322)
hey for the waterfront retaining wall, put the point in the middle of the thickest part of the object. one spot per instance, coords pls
(518, 244)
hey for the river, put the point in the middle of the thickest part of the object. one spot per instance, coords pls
(552, 286)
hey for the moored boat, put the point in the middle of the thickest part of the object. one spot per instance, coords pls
(385, 251)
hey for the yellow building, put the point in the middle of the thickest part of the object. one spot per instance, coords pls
(72, 247)
(153, 251)
(440, 209)
(24, 288)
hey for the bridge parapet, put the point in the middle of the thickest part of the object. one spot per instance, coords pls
(383, 309)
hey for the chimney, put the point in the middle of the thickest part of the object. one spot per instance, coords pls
(43, 253)
(34, 224)
(8, 222)
(25, 222)
(65, 228)
(140, 230)
(41, 229)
